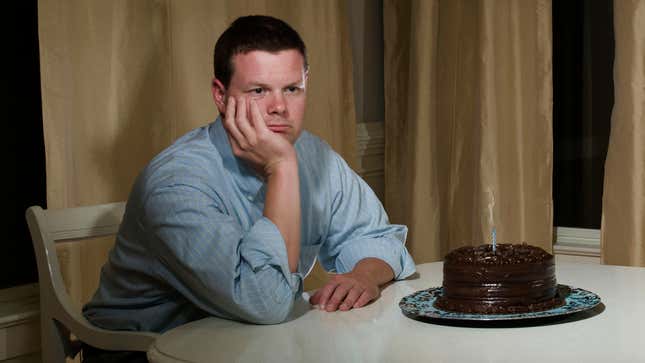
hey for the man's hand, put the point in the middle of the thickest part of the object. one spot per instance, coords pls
(345, 291)
(354, 289)
(252, 140)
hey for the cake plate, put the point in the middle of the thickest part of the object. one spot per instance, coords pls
(420, 306)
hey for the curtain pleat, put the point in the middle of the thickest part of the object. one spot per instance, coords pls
(468, 121)
(623, 203)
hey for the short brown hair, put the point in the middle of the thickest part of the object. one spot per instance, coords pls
(249, 33)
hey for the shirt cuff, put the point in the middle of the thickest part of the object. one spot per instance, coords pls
(390, 250)
(263, 245)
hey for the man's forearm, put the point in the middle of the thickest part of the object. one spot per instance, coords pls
(282, 206)
(377, 270)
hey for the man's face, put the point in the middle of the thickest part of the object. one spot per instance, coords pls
(276, 81)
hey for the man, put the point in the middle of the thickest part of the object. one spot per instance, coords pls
(229, 219)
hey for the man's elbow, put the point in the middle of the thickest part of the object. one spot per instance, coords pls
(267, 298)
(270, 312)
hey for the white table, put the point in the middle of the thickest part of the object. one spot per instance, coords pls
(381, 333)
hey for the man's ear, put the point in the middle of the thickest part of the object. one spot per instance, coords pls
(219, 95)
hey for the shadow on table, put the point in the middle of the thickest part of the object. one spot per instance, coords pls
(521, 323)
(414, 276)
(301, 307)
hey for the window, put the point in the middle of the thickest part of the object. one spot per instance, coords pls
(583, 97)
(24, 161)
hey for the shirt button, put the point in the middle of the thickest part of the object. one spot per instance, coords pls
(250, 198)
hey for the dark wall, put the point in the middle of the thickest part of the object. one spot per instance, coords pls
(24, 160)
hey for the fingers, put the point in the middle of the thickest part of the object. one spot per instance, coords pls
(315, 298)
(342, 293)
(230, 107)
(350, 299)
(341, 296)
(337, 297)
(321, 296)
(243, 124)
(256, 117)
(229, 123)
(365, 298)
(238, 125)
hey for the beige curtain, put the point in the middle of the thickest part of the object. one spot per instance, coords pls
(623, 221)
(122, 79)
(468, 117)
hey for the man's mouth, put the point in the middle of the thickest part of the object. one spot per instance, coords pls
(279, 128)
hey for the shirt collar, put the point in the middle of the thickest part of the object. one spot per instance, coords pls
(245, 178)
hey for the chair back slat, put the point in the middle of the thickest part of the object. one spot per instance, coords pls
(84, 222)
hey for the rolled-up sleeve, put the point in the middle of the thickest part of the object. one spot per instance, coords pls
(213, 262)
(385, 248)
(359, 227)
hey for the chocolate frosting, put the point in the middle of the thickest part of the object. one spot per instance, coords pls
(515, 278)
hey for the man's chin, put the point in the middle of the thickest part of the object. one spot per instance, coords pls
(287, 136)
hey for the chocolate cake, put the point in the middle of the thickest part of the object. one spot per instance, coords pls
(516, 278)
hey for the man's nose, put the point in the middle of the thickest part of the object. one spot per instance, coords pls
(277, 104)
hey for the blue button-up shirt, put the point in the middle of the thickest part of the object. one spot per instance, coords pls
(193, 241)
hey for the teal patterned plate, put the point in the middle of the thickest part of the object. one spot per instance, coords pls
(420, 305)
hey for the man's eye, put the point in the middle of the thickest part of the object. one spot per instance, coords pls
(257, 91)
(293, 89)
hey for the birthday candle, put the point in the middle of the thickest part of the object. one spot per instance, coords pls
(491, 219)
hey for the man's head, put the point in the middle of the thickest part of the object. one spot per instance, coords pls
(254, 32)
(263, 58)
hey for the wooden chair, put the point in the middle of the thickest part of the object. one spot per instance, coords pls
(59, 317)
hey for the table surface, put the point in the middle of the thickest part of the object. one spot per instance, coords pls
(379, 332)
